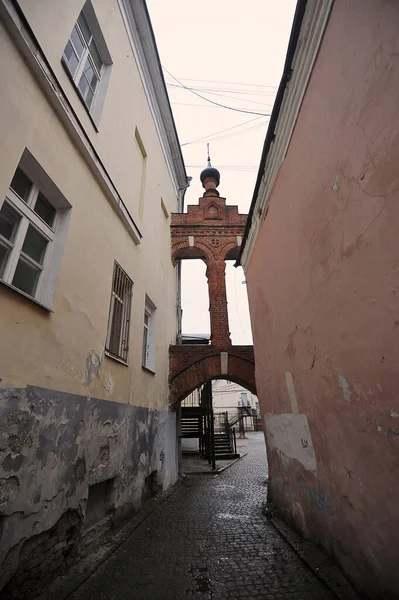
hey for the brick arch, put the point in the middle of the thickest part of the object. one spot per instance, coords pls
(204, 364)
(228, 249)
(182, 250)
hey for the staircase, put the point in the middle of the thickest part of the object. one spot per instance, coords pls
(225, 445)
(196, 423)
(245, 411)
(191, 427)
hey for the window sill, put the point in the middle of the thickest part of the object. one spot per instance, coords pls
(119, 360)
(148, 370)
(21, 293)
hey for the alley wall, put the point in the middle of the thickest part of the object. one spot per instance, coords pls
(323, 292)
(84, 436)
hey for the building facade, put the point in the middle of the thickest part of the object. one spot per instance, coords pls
(90, 172)
(321, 258)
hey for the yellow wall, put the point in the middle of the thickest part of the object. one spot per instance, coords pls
(125, 106)
(50, 349)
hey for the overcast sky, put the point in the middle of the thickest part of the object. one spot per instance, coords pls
(232, 53)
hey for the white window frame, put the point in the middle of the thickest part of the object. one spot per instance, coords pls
(149, 335)
(55, 235)
(103, 74)
(121, 299)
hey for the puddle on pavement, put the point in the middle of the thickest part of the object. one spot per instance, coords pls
(231, 516)
(202, 581)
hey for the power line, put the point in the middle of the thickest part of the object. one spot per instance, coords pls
(247, 130)
(201, 105)
(248, 112)
(205, 137)
(242, 168)
(221, 95)
(229, 82)
(221, 89)
(224, 137)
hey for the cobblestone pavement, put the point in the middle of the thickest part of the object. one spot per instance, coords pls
(208, 540)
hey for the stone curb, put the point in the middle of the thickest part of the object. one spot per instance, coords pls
(217, 471)
(317, 561)
(65, 585)
(232, 463)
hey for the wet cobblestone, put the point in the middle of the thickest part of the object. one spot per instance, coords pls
(208, 540)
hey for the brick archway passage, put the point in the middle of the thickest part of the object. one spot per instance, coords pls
(192, 366)
(213, 231)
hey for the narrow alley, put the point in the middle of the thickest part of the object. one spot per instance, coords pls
(209, 539)
(174, 297)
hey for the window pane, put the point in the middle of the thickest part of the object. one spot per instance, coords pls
(25, 277)
(4, 252)
(88, 71)
(45, 210)
(83, 85)
(116, 328)
(77, 42)
(89, 97)
(71, 58)
(34, 245)
(21, 184)
(84, 27)
(9, 221)
(95, 55)
(144, 356)
(93, 82)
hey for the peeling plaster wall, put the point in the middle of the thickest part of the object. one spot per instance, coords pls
(71, 416)
(323, 290)
(53, 446)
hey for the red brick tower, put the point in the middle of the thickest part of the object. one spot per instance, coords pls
(212, 231)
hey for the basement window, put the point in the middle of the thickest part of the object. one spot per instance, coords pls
(98, 502)
(117, 345)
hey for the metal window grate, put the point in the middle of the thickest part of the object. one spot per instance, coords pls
(119, 314)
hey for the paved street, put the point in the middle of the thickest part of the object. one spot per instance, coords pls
(208, 540)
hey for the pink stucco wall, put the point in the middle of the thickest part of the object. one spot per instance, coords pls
(323, 284)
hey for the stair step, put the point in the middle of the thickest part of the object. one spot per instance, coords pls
(226, 456)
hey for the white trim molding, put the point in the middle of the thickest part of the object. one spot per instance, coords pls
(142, 42)
(311, 33)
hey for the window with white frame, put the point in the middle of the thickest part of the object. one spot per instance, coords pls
(117, 344)
(34, 218)
(148, 354)
(87, 59)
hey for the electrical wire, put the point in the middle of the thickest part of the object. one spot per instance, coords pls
(199, 105)
(228, 82)
(248, 112)
(238, 168)
(222, 95)
(224, 89)
(230, 135)
(206, 137)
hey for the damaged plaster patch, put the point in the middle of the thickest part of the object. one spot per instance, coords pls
(93, 364)
(344, 385)
(291, 392)
(9, 487)
(337, 179)
(290, 435)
